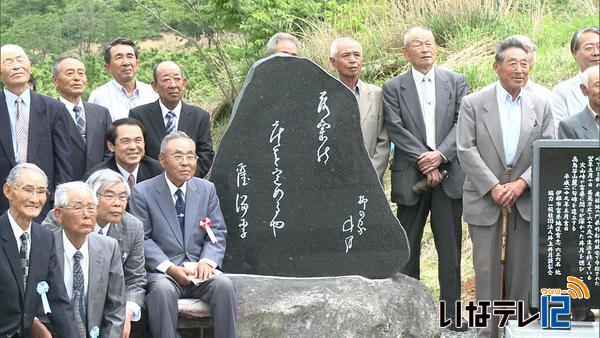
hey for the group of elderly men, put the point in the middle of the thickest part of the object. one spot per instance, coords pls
(474, 151)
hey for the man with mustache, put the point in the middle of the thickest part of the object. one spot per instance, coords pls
(169, 113)
(124, 91)
(88, 123)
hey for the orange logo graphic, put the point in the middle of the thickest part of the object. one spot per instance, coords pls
(576, 288)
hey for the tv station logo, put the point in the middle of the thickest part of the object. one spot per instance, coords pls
(555, 308)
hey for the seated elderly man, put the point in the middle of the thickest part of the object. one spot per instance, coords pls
(28, 260)
(112, 220)
(93, 274)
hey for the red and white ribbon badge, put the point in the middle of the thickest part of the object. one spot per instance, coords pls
(206, 223)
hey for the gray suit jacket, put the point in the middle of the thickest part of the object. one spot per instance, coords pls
(481, 152)
(130, 237)
(579, 126)
(152, 203)
(86, 155)
(375, 136)
(106, 291)
(406, 127)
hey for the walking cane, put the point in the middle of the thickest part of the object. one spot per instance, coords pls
(503, 253)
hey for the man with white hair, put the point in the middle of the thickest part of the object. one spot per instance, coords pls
(346, 57)
(567, 98)
(421, 109)
(585, 124)
(112, 220)
(28, 260)
(283, 43)
(32, 126)
(93, 273)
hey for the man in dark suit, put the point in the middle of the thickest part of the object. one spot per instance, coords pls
(585, 124)
(178, 210)
(125, 139)
(32, 126)
(421, 108)
(27, 258)
(91, 264)
(112, 220)
(169, 113)
(89, 122)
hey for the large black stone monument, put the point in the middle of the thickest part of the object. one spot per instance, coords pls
(566, 219)
(297, 189)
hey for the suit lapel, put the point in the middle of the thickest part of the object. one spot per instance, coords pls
(91, 129)
(528, 121)
(9, 247)
(588, 125)
(96, 260)
(36, 113)
(75, 136)
(442, 92)
(156, 121)
(491, 119)
(6, 131)
(576, 91)
(164, 200)
(60, 248)
(410, 96)
(191, 198)
(115, 231)
(185, 119)
(364, 102)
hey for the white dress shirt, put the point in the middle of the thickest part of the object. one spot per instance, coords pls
(126, 173)
(70, 107)
(165, 110)
(426, 92)
(114, 97)
(69, 261)
(17, 231)
(510, 121)
(10, 99)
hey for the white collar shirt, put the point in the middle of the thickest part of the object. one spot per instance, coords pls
(114, 97)
(425, 84)
(10, 99)
(70, 107)
(510, 121)
(165, 110)
(17, 231)
(126, 173)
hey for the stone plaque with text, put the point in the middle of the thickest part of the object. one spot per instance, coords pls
(297, 189)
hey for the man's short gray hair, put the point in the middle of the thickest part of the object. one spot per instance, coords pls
(333, 48)
(414, 30)
(13, 175)
(506, 44)
(60, 195)
(56, 62)
(172, 136)
(104, 178)
(274, 40)
(586, 74)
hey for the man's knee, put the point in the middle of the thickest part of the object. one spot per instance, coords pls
(162, 287)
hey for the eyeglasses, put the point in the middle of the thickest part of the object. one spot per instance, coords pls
(30, 190)
(110, 196)
(179, 158)
(79, 208)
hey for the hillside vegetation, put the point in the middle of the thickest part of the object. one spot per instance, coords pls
(218, 40)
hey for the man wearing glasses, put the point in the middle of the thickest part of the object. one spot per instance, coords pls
(185, 241)
(112, 220)
(28, 258)
(93, 272)
(125, 139)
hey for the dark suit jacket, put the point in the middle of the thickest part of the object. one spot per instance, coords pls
(49, 145)
(86, 155)
(18, 308)
(579, 126)
(149, 168)
(194, 121)
(406, 127)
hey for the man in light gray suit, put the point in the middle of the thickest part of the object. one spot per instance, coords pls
(93, 272)
(585, 124)
(183, 226)
(346, 57)
(88, 123)
(112, 220)
(421, 109)
(496, 129)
